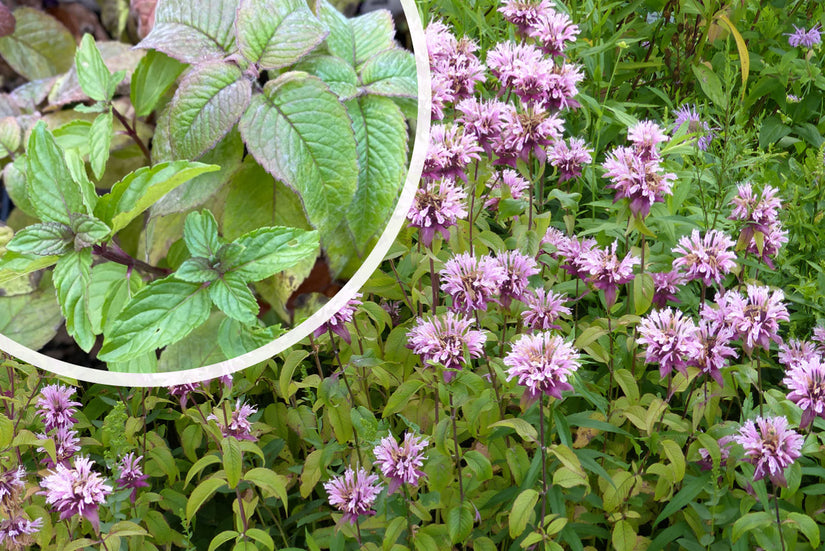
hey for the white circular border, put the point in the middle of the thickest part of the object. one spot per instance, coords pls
(298, 333)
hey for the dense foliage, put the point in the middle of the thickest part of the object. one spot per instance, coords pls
(602, 329)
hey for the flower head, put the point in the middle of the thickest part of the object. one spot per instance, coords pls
(569, 159)
(11, 488)
(795, 352)
(451, 149)
(525, 14)
(436, 207)
(770, 446)
(542, 362)
(665, 287)
(17, 532)
(576, 254)
(182, 392)
(76, 491)
(806, 381)
(337, 323)
(471, 282)
(715, 339)
(55, 406)
(801, 37)
(131, 474)
(553, 30)
(725, 443)
(237, 424)
(354, 494)
(671, 340)
(482, 119)
(543, 309)
(443, 339)
(757, 318)
(646, 135)
(453, 62)
(517, 268)
(688, 115)
(510, 179)
(607, 272)
(707, 258)
(66, 443)
(401, 464)
(640, 180)
(527, 132)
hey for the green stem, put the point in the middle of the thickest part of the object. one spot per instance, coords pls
(457, 450)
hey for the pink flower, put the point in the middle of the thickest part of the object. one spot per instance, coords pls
(713, 356)
(795, 352)
(517, 268)
(525, 14)
(542, 363)
(543, 309)
(66, 443)
(337, 323)
(527, 132)
(77, 491)
(553, 30)
(771, 446)
(707, 258)
(444, 339)
(453, 62)
(451, 149)
(354, 494)
(569, 160)
(131, 474)
(401, 464)
(607, 272)
(687, 114)
(801, 37)
(237, 425)
(471, 282)
(509, 179)
(646, 135)
(182, 392)
(671, 340)
(16, 533)
(640, 180)
(806, 381)
(725, 443)
(11, 488)
(757, 318)
(665, 287)
(482, 119)
(55, 406)
(437, 206)
(576, 254)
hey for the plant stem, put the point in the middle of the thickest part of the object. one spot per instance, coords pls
(778, 522)
(349, 390)
(759, 380)
(130, 130)
(118, 255)
(457, 450)
(434, 285)
(543, 446)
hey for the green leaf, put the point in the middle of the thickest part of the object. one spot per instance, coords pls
(381, 134)
(196, 270)
(401, 397)
(154, 75)
(710, 84)
(193, 32)
(287, 33)
(624, 537)
(268, 251)
(197, 349)
(47, 238)
(222, 538)
(108, 278)
(643, 291)
(270, 483)
(359, 38)
(750, 522)
(88, 231)
(231, 294)
(201, 494)
(522, 428)
(40, 46)
(200, 232)
(11, 136)
(71, 281)
(100, 140)
(53, 193)
(522, 511)
(15, 182)
(807, 526)
(232, 460)
(77, 170)
(207, 104)
(92, 73)
(292, 361)
(460, 523)
(31, 319)
(14, 266)
(687, 494)
(236, 338)
(334, 71)
(138, 190)
(479, 464)
(677, 458)
(300, 132)
(391, 73)
(261, 537)
(163, 312)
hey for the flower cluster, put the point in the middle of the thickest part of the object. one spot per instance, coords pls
(436, 207)
(337, 323)
(401, 464)
(353, 493)
(801, 37)
(671, 339)
(76, 491)
(237, 423)
(762, 233)
(542, 363)
(770, 446)
(689, 116)
(444, 339)
(56, 409)
(707, 258)
(806, 380)
(635, 172)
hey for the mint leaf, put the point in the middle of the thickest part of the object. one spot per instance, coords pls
(391, 73)
(71, 281)
(286, 33)
(14, 266)
(53, 193)
(357, 39)
(196, 270)
(107, 279)
(197, 349)
(88, 231)
(381, 131)
(299, 131)
(138, 190)
(236, 338)
(92, 73)
(40, 47)
(207, 104)
(47, 238)
(192, 31)
(15, 181)
(334, 71)
(100, 140)
(31, 319)
(163, 312)
(268, 251)
(231, 294)
(153, 76)
(200, 232)
(77, 170)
